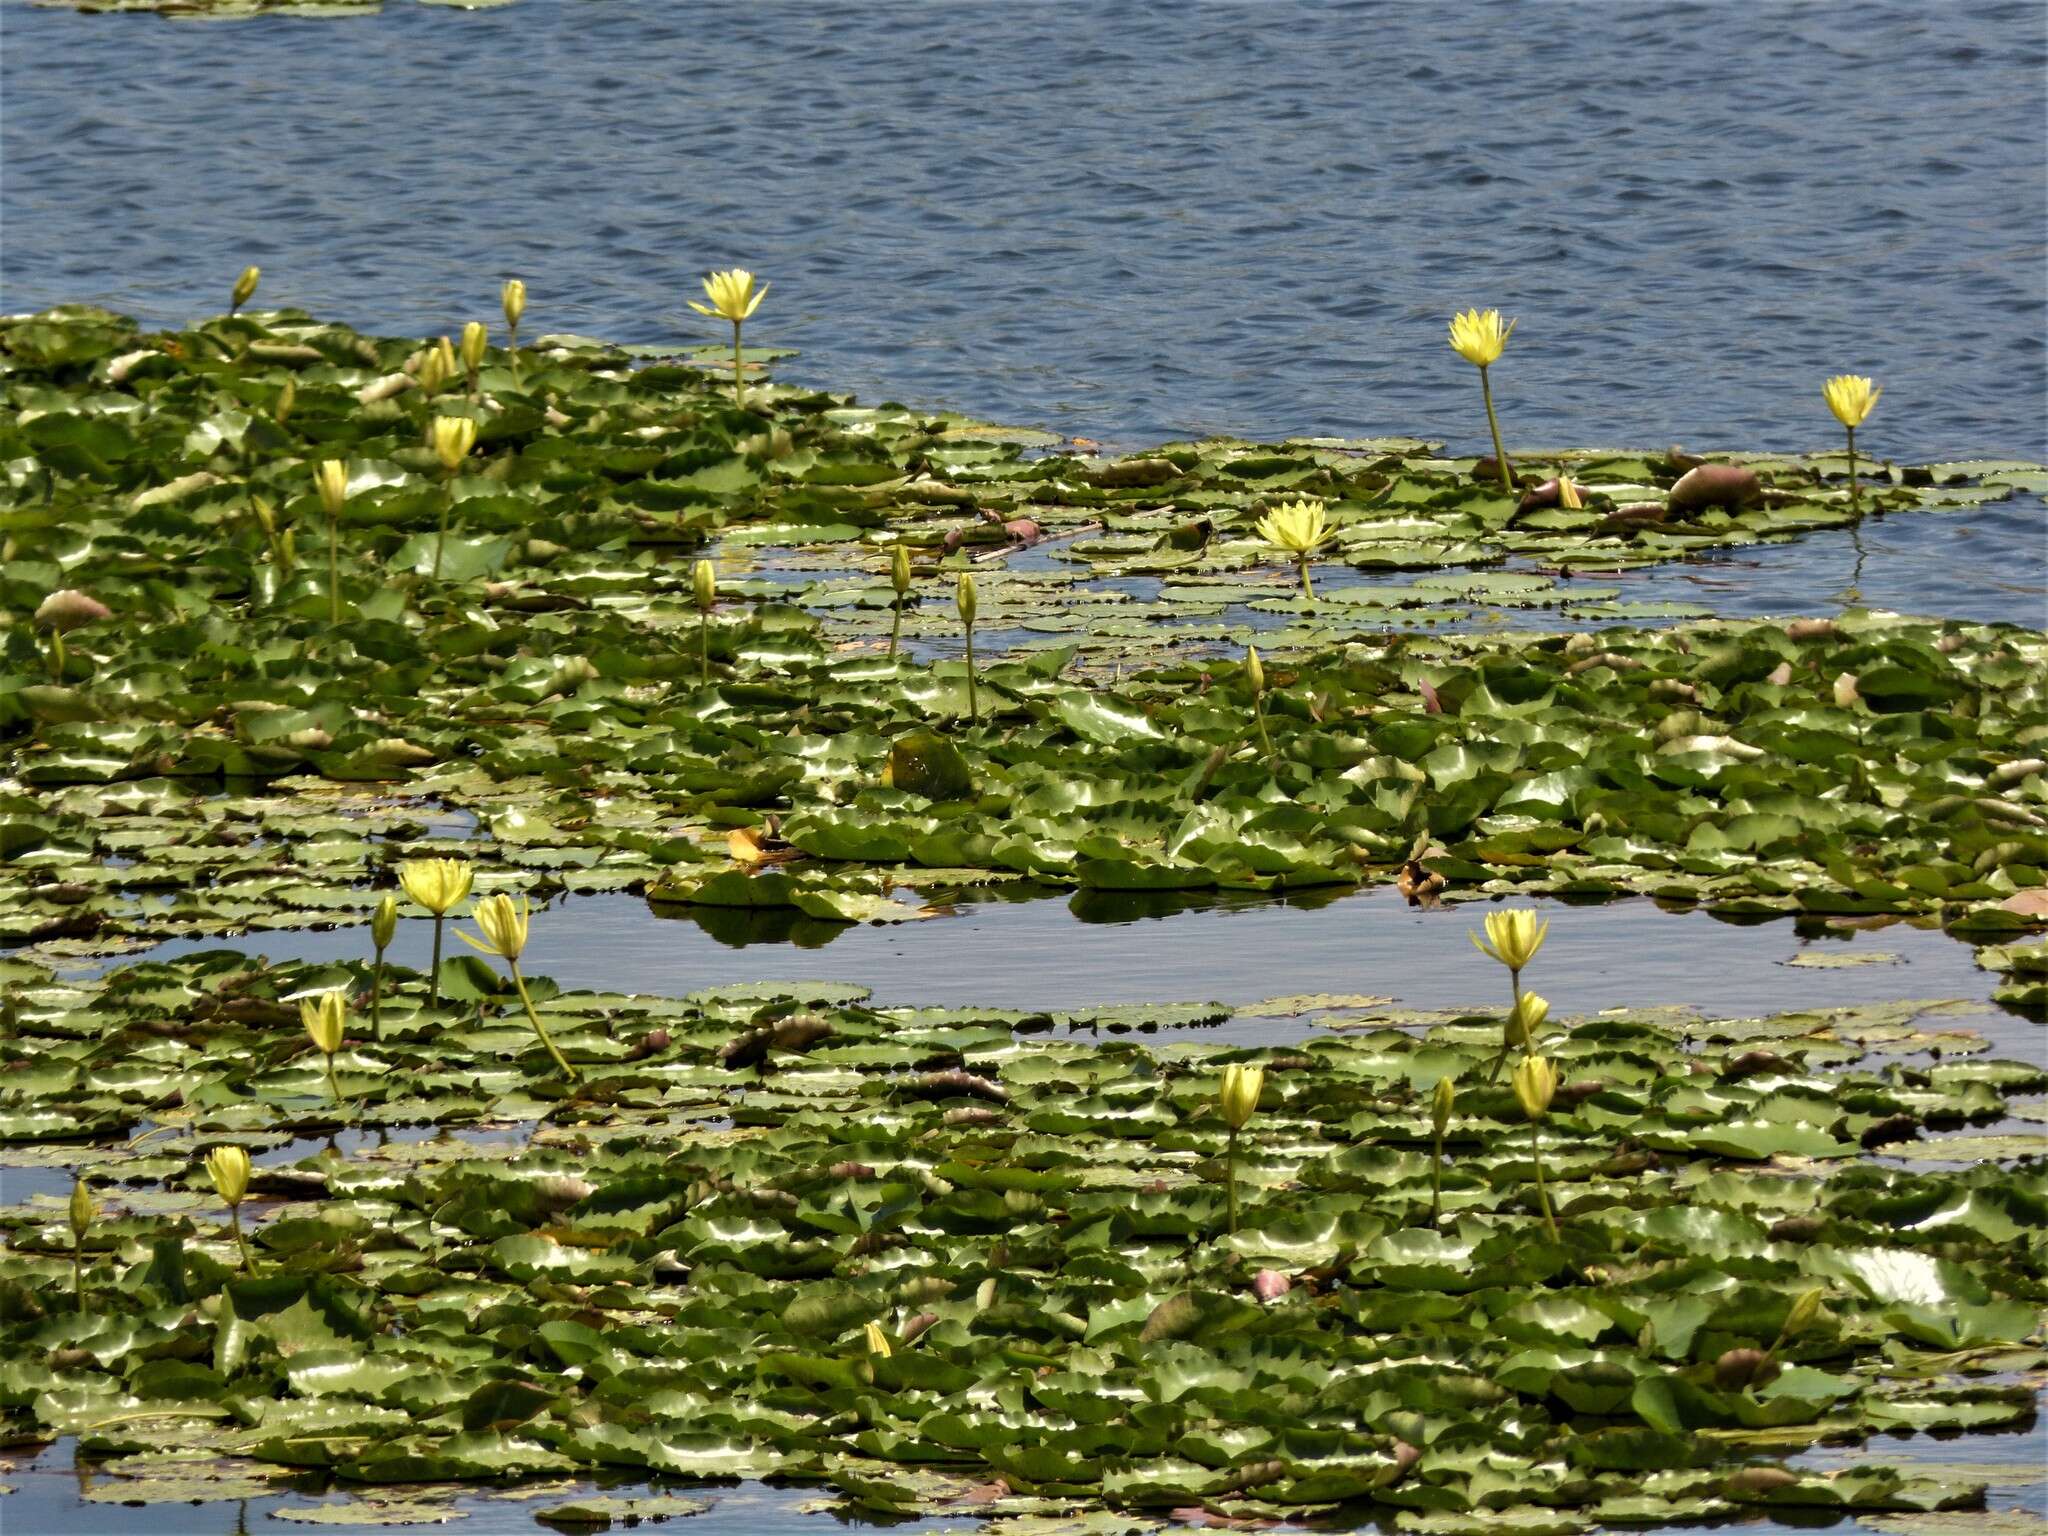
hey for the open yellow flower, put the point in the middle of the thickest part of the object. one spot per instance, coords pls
(1512, 938)
(324, 1017)
(1850, 396)
(1299, 528)
(732, 294)
(436, 884)
(504, 924)
(1478, 336)
(453, 437)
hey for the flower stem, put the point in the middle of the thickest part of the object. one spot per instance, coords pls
(1308, 593)
(441, 537)
(333, 1087)
(377, 998)
(1230, 1180)
(738, 391)
(57, 656)
(334, 570)
(1855, 499)
(1436, 1181)
(973, 703)
(1542, 1194)
(1500, 458)
(1515, 978)
(434, 981)
(241, 1241)
(895, 625)
(512, 348)
(77, 1273)
(703, 646)
(1265, 741)
(539, 1028)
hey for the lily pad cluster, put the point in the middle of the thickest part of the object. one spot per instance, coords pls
(934, 1263)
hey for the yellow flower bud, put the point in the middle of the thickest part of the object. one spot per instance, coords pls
(899, 569)
(504, 927)
(513, 295)
(1239, 1095)
(876, 1340)
(245, 287)
(1528, 1016)
(324, 1017)
(436, 368)
(384, 922)
(1535, 1086)
(330, 479)
(436, 884)
(704, 585)
(1568, 495)
(1440, 1103)
(1805, 1312)
(1254, 670)
(83, 1209)
(963, 596)
(453, 437)
(1850, 396)
(474, 341)
(1478, 336)
(228, 1167)
(1515, 936)
(733, 295)
(287, 401)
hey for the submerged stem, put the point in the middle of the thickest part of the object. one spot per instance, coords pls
(1500, 458)
(539, 1028)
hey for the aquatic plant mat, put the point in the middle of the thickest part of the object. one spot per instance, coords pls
(670, 1268)
(667, 1268)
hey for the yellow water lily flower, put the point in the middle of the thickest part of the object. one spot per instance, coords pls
(1239, 1095)
(475, 340)
(384, 922)
(330, 479)
(1254, 670)
(1530, 1012)
(1440, 1104)
(1568, 495)
(83, 1209)
(245, 288)
(1850, 396)
(1512, 938)
(453, 437)
(513, 296)
(436, 884)
(1535, 1086)
(877, 1341)
(1297, 526)
(704, 584)
(965, 598)
(228, 1167)
(504, 924)
(733, 296)
(1478, 336)
(324, 1017)
(899, 569)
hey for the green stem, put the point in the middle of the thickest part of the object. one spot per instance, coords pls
(77, 1273)
(1436, 1181)
(1542, 1194)
(434, 980)
(1265, 741)
(1854, 498)
(57, 656)
(512, 350)
(241, 1242)
(539, 1028)
(334, 570)
(333, 1087)
(703, 646)
(377, 998)
(895, 625)
(441, 537)
(1308, 593)
(1515, 977)
(973, 704)
(738, 392)
(1230, 1180)
(1500, 458)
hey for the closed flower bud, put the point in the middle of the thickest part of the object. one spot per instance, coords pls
(83, 1209)
(963, 595)
(453, 437)
(704, 585)
(1568, 495)
(513, 295)
(877, 1341)
(1850, 396)
(330, 479)
(436, 367)
(1535, 1086)
(287, 401)
(474, 340)
(384, 922)
(324, 1017)
(245, 287)
(1239, 1095)
(504, 924)
(899, 569)
(228, 1167)
(1254, 670)
(1528, 1017)
(1440, 1103)
(1805, 1312)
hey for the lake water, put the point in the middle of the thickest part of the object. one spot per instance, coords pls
(1134, 222)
